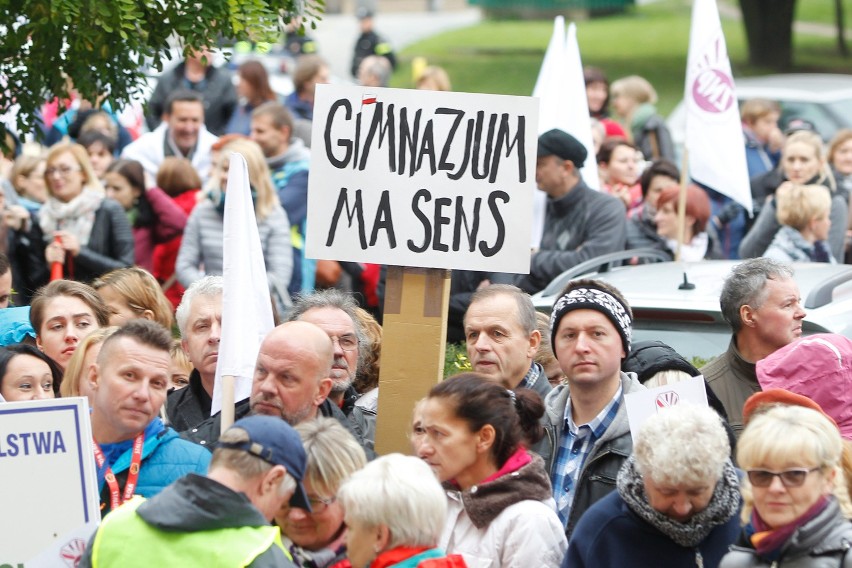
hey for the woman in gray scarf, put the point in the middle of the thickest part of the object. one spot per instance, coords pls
(677, 502)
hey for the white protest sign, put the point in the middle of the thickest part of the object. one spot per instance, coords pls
(641, 405)
(49, 488)
(422, 178)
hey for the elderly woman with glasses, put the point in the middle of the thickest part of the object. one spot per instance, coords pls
(791, 455)
(317, 538)
(78, 227)
(676, 502)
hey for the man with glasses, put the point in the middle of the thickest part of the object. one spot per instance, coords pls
(334, 312)
(291, 382)
(218, 520)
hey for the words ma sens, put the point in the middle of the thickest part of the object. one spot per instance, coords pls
(475, 144)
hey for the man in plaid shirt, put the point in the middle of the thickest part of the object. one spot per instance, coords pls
(587, 433)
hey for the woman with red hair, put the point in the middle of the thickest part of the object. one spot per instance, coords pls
(698, 243)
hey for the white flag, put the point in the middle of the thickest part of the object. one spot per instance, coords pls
(246, 305)
(561, 91)
(714, 135)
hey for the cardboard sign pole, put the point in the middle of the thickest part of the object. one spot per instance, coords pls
(414, 336)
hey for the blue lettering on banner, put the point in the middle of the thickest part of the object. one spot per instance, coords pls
(31, 443)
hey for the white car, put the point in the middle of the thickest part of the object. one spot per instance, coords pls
(690, 319)
(822, 99)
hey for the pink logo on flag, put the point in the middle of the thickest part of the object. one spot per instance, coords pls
(73, 551)
(667, 399)
(713, 90)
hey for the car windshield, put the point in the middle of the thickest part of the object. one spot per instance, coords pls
(842, 110)
(818, 114)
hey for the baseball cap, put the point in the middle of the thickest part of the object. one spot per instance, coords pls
(275, 442)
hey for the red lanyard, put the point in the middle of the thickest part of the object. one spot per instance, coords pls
(130, 486)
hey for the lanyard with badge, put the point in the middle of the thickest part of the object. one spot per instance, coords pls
(115, 498)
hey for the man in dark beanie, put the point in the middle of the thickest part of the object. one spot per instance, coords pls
(580, 223)
(588, 435)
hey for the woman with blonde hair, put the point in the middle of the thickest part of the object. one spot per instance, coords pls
(131, 293)
(76, 379)
(434, 78)
(201, 251)
(803, 162)
(803, 212)
(317, 538)
(78, 226)
(633, 100)
(27, 177)
(790, 455)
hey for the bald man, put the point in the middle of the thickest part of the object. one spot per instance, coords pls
(291, 382)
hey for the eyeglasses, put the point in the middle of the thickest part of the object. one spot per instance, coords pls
(318, 504)
(347, 342)
(793, 477)
(61, 170)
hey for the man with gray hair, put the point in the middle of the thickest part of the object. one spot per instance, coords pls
(334, 312)
(761, 302)
(222, 519)
(502, 338)
(199, 319)
(374, 71)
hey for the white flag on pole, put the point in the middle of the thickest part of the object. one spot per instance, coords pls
(714, 136)
(579, 123)
(246, 305)
(561, 91)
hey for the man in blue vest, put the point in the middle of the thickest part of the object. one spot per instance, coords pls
(218, 520)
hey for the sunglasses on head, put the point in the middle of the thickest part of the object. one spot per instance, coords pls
(793, 477)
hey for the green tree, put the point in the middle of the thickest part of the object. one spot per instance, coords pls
(103, 46)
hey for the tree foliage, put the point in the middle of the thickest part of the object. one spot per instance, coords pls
(103, 47)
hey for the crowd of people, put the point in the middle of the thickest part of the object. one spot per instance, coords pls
(113, 246)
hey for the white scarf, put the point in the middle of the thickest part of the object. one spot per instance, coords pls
(76, 216)
(692, 251)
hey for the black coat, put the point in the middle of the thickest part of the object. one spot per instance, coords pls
(110, 247)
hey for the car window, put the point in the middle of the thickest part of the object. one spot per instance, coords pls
(842, 113)
(814, 113)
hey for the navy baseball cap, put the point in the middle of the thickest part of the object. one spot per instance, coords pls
(275, 442)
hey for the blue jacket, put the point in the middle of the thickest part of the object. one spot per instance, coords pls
(165, 459)
(609, 534)
(759, 158)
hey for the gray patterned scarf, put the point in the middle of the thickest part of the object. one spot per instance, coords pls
(723, 505)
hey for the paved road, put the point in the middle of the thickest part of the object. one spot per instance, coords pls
(336, 33)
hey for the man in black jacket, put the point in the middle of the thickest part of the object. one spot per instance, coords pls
(199, 318)
(580, 223)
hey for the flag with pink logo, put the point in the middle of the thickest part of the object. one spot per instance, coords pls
(714, 136)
